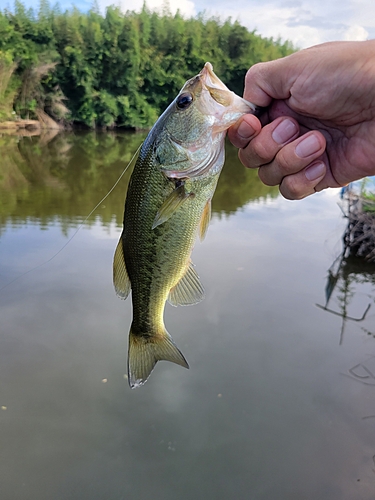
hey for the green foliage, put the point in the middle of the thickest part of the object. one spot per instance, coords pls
(367, 195)
(8, 86)
(119, 69)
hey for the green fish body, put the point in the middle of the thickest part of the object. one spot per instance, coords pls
(168, 203)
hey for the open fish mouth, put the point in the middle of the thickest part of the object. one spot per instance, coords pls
(210, 79)
(212, 82)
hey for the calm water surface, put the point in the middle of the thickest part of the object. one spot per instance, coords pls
(279, 401)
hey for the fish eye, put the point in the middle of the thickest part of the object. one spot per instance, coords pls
(184, 100)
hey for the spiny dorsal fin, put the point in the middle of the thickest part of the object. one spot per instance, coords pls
(121, 279)
(205, 220)
(171, 204)
(189, 289)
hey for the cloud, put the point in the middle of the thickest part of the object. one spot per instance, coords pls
(355, 32)
(303, 22)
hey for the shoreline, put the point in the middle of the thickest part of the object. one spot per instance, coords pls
(28, 128)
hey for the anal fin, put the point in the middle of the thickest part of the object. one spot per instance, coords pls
(189, 289)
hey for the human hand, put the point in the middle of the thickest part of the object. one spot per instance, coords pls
(319, 126)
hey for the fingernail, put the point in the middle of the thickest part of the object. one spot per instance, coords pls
(284, 131)
(308, 146)
(315, 171)
(245, 131)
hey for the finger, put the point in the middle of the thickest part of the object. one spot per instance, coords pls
(263, 148)
(303, 183)
(293, 158)
(269, 80)
(244, 130)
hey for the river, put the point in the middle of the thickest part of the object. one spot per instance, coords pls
(279, 401)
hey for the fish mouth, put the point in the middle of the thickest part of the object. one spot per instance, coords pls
(206, 80)
(209, 78)
(220, 92)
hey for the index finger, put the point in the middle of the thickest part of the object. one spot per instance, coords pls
(267, 81)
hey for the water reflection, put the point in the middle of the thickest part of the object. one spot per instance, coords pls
(64, 177)
(264, 412)
(351, 288)
(351, 276)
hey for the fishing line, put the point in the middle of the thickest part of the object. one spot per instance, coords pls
(80, 226)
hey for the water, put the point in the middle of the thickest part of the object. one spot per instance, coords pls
(279, 401)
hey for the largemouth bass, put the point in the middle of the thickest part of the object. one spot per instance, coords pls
(168, 202)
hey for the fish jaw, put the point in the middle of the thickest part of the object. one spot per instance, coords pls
(224, 105)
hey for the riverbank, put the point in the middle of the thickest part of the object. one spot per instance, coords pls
(24, 128)
(29, 128)
(359, 237)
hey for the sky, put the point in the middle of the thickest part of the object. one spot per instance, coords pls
(303, 22)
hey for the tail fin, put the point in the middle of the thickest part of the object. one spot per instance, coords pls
(145, 352)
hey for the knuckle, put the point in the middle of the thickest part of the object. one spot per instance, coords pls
(255, 69)
(260, 151)
(237, 141)
(291, 188)
(244, 158)
(287, 164)
(266, 176)
(248, 157)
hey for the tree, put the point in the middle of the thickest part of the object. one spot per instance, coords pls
(118, 69)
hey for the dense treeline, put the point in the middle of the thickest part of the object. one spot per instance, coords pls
(120, 69)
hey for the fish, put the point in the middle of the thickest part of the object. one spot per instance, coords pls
(168, 203)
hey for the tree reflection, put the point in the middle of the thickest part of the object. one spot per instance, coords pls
(59, 179)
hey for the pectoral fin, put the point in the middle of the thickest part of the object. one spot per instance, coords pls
(205, 220)
(171, 204)
(121, 279)
(189, 289)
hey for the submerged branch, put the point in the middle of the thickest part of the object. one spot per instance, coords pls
(359, 236)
